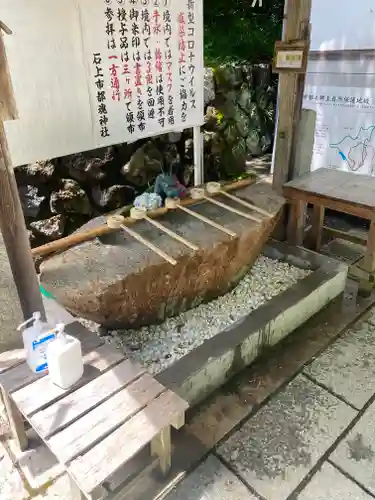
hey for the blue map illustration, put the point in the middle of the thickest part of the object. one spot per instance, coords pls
(358, 152)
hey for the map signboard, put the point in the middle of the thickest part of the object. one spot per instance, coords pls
(345, 127)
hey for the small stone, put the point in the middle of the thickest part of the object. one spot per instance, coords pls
(113, 197)
(135, 347)
(83, 167)
(189, 150)
(35, 173)
(70, 198)
(51, 228)
(144, 165)
(31, 201)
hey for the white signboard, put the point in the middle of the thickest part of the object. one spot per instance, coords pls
(342, 25)
(345, 128)
(92, 73)
(289, 59)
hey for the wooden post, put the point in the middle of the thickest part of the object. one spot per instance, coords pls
(291, 87)
(12, 222)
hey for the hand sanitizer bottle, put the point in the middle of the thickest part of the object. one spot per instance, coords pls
(35, 340)
(64, 358)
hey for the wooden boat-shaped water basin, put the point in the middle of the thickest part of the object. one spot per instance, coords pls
(118, 282)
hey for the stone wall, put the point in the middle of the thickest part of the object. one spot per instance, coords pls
(60, 195)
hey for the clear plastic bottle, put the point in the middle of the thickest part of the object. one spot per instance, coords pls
(35, 340)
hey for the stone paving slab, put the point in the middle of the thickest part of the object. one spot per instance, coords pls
(11, 485)
(348, 366)
(277, 447)
(211, 481)
(38, 465)
(59, 490)
(356, 453)
(330, 484)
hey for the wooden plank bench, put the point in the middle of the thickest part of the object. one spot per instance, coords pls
(96, 427)
(337, 190)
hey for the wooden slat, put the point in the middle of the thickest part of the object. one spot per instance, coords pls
(88, 430)
(43, 392)
(93, 468)
(20, 376)
(58, 415)
(10, 359)
(359, 239)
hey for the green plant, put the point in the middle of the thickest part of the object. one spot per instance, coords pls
(234, 31)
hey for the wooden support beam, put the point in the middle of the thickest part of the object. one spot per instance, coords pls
(315, 237)
(291, 86)
(161, 448)
(296, 223)
(12, 221)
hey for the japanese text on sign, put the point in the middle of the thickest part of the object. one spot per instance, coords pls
(114, 71)
(338, 99)
(147, 79)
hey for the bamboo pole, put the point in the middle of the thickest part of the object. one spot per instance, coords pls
(149, 245)
(246, 204)
(77, 239)
(172, 234)
(208, 221)
(117, 222)
(233, 210)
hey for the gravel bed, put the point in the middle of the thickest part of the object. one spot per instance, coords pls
(159, 346)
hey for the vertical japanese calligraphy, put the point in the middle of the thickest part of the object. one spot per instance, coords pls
(152, 65)
(100, 95)
(191, 37)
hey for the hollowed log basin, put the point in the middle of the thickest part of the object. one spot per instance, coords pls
(119, 283)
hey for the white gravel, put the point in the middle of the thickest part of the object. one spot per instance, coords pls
(159, 346)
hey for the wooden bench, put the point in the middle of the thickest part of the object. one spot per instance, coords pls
(97, 426)
(346, 192)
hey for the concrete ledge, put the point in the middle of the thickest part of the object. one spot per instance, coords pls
(210, 365)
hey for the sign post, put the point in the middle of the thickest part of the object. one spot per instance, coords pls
(12, 221)
(291, 84)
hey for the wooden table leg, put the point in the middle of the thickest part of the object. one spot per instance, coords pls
(369, 258)
(162, 448)
(75, 492)
(315, 237)
(367, 264)
(296, 222)
(15, 420)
